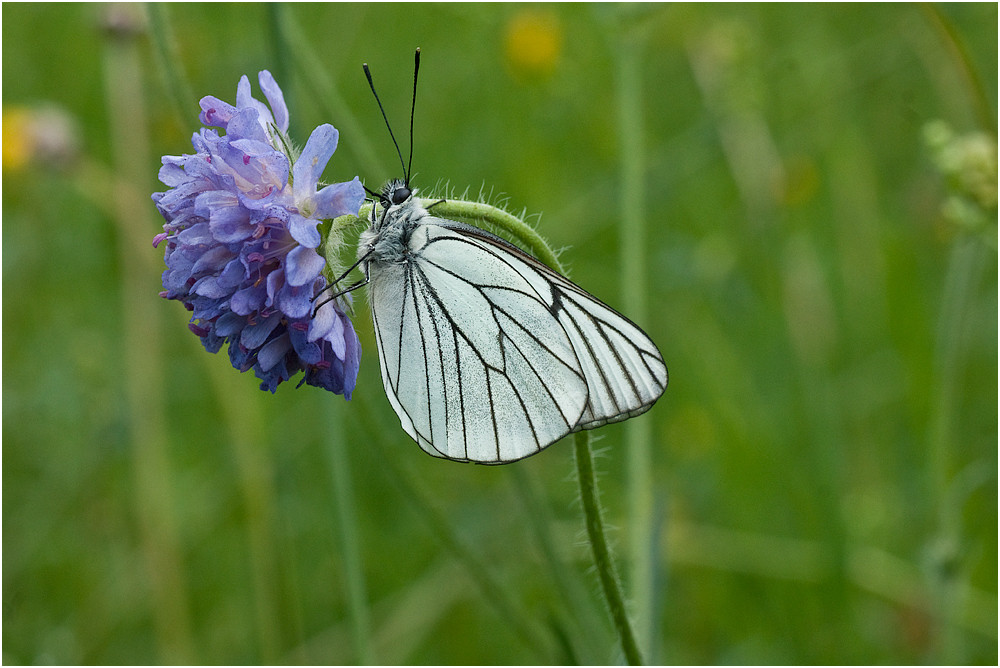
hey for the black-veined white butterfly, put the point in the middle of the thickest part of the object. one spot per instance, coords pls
(487, 354)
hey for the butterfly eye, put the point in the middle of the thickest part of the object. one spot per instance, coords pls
(400, 195)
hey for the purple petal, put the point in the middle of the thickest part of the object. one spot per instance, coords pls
(273, 352)
(212, 260)
(323, 322)
(172, 174)
(309, 353)
(271, 379)
(311, 163)
(339, 199)
(209, 201)
(206, 308)
(304, 230)
(294, 302)
(230, 224)
(215, 112)
(209, 287)
(247, 125)
(253, 147)
(303, 265)
(326, 377)
(248, 300)
(230, 324)
(271, 216)
(335, 335)
(256, 334)
(196, 235)
(233, 274)
(275, 98)
(244, 98)
(175, 281)
(352, 358)
(210, 340)
(338, 336)
(275, 282)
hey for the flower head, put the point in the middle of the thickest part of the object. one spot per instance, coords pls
(241, 237)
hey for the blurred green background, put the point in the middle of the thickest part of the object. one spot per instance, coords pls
(795, 201)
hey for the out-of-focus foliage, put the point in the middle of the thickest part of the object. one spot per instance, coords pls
(824, 461)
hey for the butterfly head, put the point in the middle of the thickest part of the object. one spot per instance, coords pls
(395, 193)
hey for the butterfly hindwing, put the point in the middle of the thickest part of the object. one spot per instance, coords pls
(624, 371)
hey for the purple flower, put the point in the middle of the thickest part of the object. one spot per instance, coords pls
(241, 237)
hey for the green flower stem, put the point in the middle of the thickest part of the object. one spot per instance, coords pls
(476, 212)
(599, 547)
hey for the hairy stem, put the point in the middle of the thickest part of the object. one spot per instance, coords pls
(498, 218)
(610, 585)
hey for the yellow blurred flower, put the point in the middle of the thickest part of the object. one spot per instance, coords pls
(16, 150)
(43, 135)
(533, 42)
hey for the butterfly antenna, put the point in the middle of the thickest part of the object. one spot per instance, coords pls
(371, 84)
(413, 106)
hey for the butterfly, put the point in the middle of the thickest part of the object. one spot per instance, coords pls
(487, 354)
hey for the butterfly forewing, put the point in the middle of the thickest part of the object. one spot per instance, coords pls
(473, 360)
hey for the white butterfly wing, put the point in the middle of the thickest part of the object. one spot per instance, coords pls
(473, 360)
(624, 370)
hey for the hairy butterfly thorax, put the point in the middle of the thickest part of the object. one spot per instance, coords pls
(389, 231)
